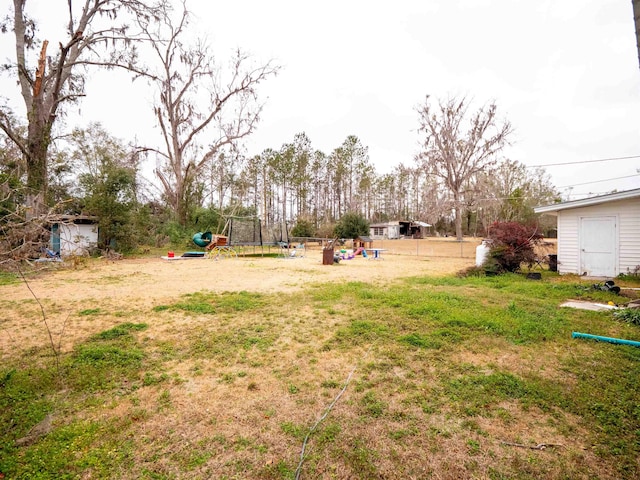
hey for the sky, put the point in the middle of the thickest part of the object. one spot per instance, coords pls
(565, 74)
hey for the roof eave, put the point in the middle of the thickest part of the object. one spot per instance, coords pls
(587, 202)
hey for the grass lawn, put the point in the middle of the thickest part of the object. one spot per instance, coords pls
(425, 377)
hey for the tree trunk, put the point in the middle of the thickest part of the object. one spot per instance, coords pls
(38, 141)
(458, 215)
(37, 147)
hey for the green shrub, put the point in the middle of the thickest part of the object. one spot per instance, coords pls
(629, 315)
(303, 228)
(351, 225)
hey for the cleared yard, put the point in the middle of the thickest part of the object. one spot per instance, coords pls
(219, 369)
(145, 282)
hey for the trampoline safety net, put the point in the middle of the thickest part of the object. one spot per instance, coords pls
(249, 231)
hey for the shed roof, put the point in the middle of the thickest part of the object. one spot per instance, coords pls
(587, 202)
(415, 223)
(63, 218)
(386, 224)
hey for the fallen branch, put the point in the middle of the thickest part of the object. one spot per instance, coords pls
(324, 415)
(540, 446)
(312, 429)
(56, 352)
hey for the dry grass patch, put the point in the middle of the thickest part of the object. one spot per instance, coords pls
(225, 382)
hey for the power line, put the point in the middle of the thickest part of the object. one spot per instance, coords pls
(585, 161)
(598, 181)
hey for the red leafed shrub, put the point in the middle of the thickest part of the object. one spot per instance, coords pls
(512, 244)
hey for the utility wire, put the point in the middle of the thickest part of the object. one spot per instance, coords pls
(599, 181)
(524, 197)
(584, 161)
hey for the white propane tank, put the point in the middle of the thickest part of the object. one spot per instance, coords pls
(482, 252)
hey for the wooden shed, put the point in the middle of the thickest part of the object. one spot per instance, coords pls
(598, 236)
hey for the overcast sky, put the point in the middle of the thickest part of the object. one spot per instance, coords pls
(565, 73)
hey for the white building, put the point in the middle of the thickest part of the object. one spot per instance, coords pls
(74, 235)
(598, 236)
(384, 231)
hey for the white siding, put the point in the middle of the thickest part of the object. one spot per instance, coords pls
(77, 239)
(568, 244)
(628, 216)
(629, 236)
(384, 231)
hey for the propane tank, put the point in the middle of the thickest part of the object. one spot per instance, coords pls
(482, 252)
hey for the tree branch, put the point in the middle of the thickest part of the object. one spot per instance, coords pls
(6, 126)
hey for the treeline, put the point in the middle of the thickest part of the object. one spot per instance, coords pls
(298, 182)
(96, 174)
(459, 180)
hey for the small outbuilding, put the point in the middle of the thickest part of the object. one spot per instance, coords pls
(598, 236)
(74, 234)
(414, 229)
(384, 231)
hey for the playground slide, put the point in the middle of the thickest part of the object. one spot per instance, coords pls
(202, 239)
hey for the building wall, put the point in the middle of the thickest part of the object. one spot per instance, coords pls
(77, 239)
(627, 213)
(389, 231)
(568, 243)
(378, 232)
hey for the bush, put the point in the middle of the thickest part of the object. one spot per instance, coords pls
(472, 271)
(512, 244)
(303, 228)
(206, 219)
(325, 230)
(629, 315)
(351, 225)
(177, 234)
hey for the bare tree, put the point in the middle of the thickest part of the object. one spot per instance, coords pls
(50, 81)
(198, 101)
(509, 192)
(457, 145)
